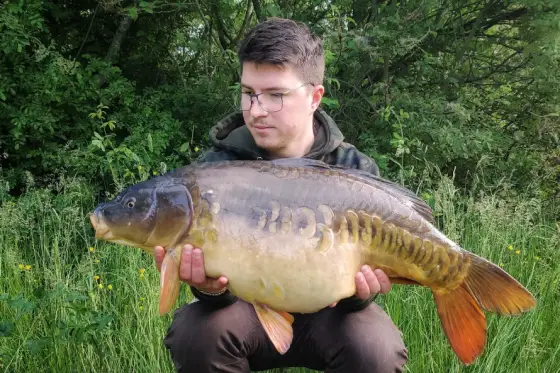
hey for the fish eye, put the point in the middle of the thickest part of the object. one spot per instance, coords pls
(130, 202)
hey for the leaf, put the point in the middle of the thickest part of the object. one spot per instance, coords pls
(150, 143)
(6, 329)
(36, 345)
(331, 103)
(184, 147)
(133, 13)
(22, 305)
(98, 136)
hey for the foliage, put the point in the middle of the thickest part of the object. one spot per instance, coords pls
(469, 86)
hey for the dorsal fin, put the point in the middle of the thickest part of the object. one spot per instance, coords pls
(399, 192)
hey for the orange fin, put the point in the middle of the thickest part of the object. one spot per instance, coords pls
(463, 322)
(495, 290)
(169, 281)
(278, 326)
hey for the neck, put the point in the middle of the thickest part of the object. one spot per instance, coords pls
(298, 147)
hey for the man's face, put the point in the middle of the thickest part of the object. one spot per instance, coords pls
(274, 131)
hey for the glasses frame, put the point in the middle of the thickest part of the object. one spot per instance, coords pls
(256, 95)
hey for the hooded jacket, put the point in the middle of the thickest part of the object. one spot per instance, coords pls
(231, 140)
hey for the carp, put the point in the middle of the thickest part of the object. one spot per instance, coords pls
(291, 234)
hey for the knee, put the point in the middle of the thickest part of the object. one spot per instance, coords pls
(372, 342)
(377, 354)
(199, 333)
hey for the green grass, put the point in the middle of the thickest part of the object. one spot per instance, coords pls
(55, 318)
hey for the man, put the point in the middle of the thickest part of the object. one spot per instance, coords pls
(282, 74)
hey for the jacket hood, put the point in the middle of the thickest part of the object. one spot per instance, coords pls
(231, 134)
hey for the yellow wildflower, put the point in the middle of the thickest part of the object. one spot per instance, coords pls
(28, 267)
(91, 249)
(100, 286)
(110, 287)
(96, 278)
(537, 257)
(518, 252)
(142, 299)
(196, 149)
(97, 261)
(141, 308)
(21, 266)
(142, 270)
(510, 247)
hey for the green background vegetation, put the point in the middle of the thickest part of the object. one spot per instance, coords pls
(457, 100)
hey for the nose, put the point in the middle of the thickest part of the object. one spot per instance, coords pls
(256, 109)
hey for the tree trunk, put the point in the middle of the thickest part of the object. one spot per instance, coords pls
(118, 39)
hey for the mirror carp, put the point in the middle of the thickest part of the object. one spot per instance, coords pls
(291, 234)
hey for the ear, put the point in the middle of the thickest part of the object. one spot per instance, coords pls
(317, 95)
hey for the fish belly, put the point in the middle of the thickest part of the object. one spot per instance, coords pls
(284, 272)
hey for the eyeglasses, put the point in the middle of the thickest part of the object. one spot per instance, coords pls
(269, 102)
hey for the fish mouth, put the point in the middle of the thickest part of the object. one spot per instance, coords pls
(102, 230)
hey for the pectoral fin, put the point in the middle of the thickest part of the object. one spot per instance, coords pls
(169, 281)
(278, 326)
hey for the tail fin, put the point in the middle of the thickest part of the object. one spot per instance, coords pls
(495, 290)
(169, 280)
(486, 286)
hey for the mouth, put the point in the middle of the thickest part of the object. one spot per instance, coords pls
(102, 230)
(261, 127)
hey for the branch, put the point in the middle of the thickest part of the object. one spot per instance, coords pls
(248, 14)
(429, 45)
(116, 44)
(258, 10)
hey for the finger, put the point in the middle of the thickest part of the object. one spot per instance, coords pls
(371, 280)
(223, 281)
(185, 271)
(159, 254)
(215, 284)
(362, 288)
(198, 272)
(383, 280)
(332, 305)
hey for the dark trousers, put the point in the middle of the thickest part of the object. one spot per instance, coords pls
(231, 340)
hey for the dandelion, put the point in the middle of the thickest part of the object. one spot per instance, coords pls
(96, 278)
(91, 250)
(518, 252)
(142, 270)
(28, 267)
(100, 286)
(110, 287)
(21, 266)
(510, 247)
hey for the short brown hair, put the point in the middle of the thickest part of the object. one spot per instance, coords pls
(280, 42)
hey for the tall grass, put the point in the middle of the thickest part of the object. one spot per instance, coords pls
(70, 304)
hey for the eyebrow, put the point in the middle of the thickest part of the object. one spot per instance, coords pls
(267, 89)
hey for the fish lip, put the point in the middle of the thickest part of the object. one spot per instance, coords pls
(102, 230)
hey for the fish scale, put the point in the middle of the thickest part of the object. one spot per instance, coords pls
(291, 234)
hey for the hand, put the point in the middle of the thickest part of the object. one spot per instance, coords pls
(191, 269)
(370, 282)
